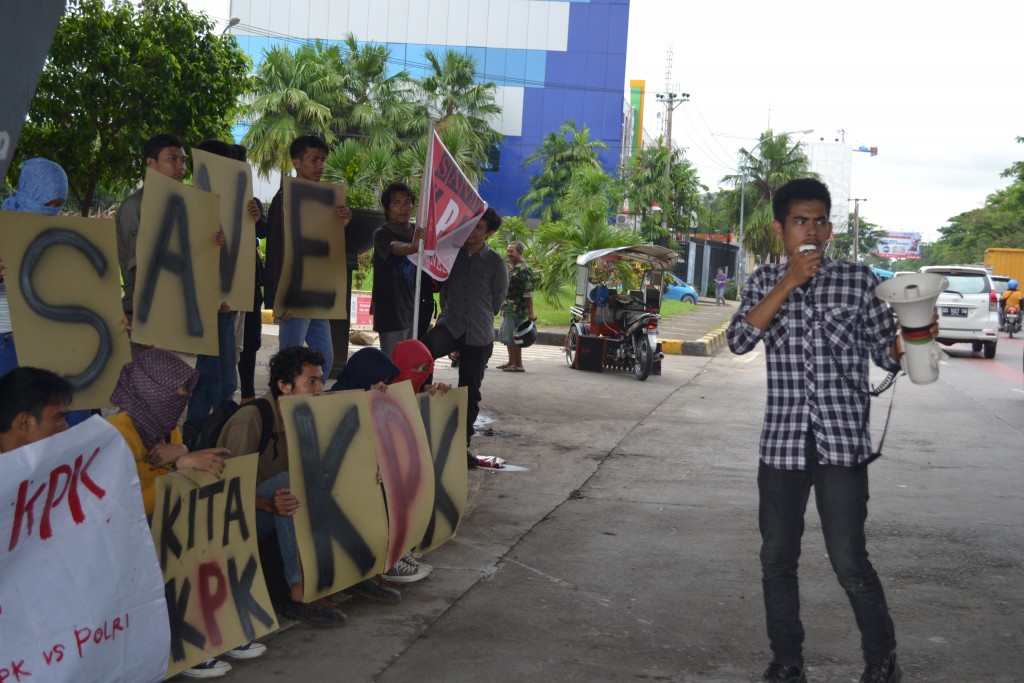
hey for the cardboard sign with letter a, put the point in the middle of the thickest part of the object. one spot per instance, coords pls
(313, 281)
(342, 526)
(232, 180)
(177, 282)
(81, 595)
(63, 288)
(205, 534)
(444, 417)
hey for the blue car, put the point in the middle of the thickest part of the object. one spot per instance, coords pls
(679, 290)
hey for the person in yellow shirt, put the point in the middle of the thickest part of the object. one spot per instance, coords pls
(1011, 297)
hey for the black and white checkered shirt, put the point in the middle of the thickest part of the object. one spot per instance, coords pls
(804, 387)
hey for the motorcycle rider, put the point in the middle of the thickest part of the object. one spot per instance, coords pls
(1011, 297)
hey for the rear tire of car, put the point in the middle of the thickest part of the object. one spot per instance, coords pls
(990, 349)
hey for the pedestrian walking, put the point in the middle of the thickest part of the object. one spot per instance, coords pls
(720, 281)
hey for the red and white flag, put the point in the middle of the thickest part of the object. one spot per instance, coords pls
(449, 209)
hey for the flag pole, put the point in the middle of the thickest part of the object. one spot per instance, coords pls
(421, 220)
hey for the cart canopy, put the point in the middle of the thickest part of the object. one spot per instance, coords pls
(657, 258)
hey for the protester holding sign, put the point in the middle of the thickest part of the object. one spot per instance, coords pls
(42, 188)
(33, 405)
(470, 298)
(165, 154)
(152, 393)
(295, 371)
(308, 154)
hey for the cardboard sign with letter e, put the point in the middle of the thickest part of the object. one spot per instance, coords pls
(177, 281)
(313, 280)
(63, 288)
(232, 180)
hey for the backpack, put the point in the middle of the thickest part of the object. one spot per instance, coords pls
(204, 432)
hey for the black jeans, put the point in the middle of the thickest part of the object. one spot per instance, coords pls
(472, 363)
(841, 494)
(251, 341)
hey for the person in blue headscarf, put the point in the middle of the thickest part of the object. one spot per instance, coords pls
(42, 188)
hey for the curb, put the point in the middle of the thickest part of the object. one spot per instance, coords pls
(705, 346)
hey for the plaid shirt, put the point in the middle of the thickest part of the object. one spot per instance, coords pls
(804, 386)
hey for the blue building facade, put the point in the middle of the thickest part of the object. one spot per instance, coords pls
(552, 60)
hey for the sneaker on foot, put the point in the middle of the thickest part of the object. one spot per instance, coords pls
(414, 560)
(780, 673)
(316, 613)
(404, 572)
(375, 589)
(250, 650)
(211, 668)
(885, 671)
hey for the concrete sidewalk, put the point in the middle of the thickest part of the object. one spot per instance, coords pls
(699, 332)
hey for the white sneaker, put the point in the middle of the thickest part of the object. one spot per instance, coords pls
(403, 572)
(211, 668)
(250, 650)
(412, 559)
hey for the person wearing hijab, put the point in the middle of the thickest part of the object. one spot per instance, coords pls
(151, 394)
(368, 368)
(414, 362)
(42, 188)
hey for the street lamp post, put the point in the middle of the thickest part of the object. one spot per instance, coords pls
(232, 22)
(741, 254)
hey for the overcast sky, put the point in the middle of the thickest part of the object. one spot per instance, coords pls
(933, 85)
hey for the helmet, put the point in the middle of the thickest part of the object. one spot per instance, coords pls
(1012, 284)
(525, 334)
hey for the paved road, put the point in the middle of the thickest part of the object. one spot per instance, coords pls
(627, 550)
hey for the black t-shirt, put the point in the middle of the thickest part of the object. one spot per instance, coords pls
(394, 281)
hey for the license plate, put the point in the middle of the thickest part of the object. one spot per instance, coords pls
(954, 311)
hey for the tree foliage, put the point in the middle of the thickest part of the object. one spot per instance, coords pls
(589, 201)
(119, 72)
(999, 223)
(678, 194)
(868, 234)
(767, 166)
(561, 155)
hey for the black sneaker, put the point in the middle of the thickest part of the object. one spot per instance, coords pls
(376, 590)
(885, 671)
(780, 673)
(316, 613)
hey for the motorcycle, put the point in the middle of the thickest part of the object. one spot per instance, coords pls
(618, 330)
(1012, 321)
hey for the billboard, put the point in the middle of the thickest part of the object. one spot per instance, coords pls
(899, 245)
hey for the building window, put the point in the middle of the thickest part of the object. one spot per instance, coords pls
(493, 163)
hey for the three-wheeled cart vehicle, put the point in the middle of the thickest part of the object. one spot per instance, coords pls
(612, 329)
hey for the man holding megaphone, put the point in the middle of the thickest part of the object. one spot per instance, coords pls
(820, 322)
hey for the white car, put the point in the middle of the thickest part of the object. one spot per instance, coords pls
(968, 309)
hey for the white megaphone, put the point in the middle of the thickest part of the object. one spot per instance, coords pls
(913, 298)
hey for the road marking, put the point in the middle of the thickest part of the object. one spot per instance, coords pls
(747, 357)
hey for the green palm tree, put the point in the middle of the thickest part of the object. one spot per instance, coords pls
(378, 108)
(585, 226)
(294, 93)
(770, 164)
(460, 107)
(562, 154)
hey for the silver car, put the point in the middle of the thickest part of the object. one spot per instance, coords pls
(968, 309)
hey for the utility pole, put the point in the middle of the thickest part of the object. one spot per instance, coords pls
(671, 100)
(856, 228)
